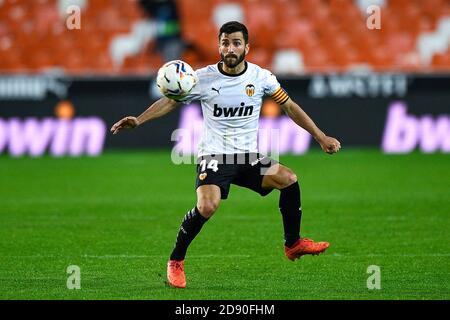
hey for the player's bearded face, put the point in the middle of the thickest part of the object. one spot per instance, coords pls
(231, 60)
(232, 49)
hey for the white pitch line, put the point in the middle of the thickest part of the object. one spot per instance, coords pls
(122, 256)
(125, 256)
(338, 255)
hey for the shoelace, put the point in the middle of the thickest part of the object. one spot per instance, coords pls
(178, 265)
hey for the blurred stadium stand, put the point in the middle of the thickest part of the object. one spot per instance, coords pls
(287, 36)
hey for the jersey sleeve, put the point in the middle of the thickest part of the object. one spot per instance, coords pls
(273, 89)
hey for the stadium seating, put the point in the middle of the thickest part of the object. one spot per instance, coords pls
(288, 62)
(324, 35)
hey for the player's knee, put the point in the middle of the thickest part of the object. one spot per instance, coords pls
(292, 178)
(289, 179)
(207, 208)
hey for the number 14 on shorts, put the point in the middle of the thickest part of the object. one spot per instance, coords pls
(212, 164)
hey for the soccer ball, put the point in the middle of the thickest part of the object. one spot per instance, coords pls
(176, 79)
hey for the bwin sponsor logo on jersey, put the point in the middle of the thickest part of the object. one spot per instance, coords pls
(243, 110)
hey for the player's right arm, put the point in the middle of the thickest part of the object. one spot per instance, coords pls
(156, 110)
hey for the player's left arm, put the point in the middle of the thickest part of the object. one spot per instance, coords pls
(329, 144)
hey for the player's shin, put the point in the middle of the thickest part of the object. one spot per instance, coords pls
(192, 224)
(291, 211)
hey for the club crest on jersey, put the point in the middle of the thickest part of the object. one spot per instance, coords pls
(250, 90)
(202, 176)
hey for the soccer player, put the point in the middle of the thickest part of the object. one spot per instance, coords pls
(231, 94)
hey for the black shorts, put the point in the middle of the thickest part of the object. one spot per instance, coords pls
(245, 170)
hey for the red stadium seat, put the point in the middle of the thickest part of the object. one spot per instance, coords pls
(261, 57)
(381, 58)
(441, 61)
(318, 60)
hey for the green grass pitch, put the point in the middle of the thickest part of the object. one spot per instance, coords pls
(116, 217)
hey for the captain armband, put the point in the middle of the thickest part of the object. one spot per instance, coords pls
(280, 96)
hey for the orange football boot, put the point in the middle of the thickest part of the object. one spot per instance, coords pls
(305, 246)
(175, 274)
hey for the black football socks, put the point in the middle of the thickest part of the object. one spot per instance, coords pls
(192, 223)
(291, 211)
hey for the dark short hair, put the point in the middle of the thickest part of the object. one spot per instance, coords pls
(234, 26)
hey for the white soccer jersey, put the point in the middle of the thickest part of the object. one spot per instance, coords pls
(231, 105)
